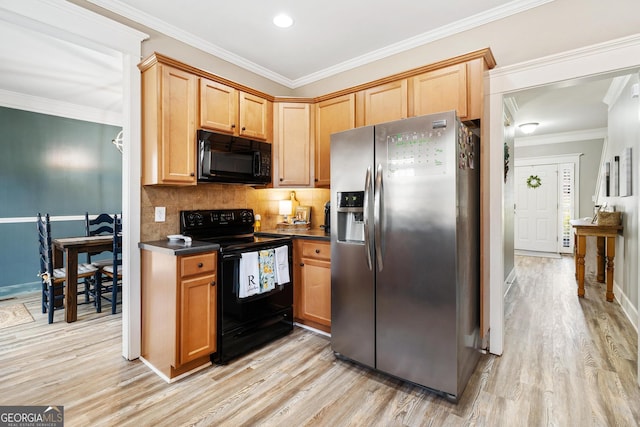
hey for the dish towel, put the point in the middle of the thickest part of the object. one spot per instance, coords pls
(266, 260)
(249, 275)
(282, 265)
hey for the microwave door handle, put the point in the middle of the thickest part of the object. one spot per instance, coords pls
(256, 163)
(205, 158)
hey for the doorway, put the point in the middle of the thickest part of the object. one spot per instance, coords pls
(617, 57)
(536, 208)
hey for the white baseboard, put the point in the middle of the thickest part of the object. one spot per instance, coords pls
(629, 310)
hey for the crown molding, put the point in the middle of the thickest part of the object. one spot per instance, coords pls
(36, 104)
(67, 21)
(161, 26)
(511, 105)
(559, 138)
(500, 12)
(615, 90)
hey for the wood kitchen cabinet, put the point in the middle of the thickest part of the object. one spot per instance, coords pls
(228, 110)
(441, 90)
(178, 310)
(293, 144)
(169, 107)
(383, 103)
(332, 115)
(312, 281)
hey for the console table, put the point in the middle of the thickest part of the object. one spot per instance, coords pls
(606, 251)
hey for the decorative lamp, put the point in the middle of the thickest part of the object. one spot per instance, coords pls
(284, 209)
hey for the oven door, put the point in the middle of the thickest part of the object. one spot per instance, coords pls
(245, 323)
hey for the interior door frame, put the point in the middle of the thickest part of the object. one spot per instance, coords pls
(558, 160)
(616, 55)
(67, 21)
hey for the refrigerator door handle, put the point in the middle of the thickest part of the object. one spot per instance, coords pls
(365, 208)
(378, 218)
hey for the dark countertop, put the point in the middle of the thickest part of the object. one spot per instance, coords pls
(178, 248)
(314, 234)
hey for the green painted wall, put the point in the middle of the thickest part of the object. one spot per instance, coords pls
(51, 164)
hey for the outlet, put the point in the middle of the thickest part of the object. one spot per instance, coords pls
(161, 213)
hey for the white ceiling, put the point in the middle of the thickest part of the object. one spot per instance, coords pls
(574, 107)
(326, 38)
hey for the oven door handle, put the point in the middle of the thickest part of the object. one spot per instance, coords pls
(231, 256)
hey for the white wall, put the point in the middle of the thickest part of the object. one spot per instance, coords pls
(591, 151)
(624, 131)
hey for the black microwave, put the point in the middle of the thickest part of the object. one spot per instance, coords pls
(230, 159)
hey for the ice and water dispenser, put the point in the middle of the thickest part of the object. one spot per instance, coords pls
(350, 212)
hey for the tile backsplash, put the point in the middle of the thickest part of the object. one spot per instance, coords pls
(220, 196)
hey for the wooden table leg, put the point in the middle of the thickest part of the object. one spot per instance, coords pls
(71, 288)
(600, 259)
(611, 253)
(575, 255)
(580, 251)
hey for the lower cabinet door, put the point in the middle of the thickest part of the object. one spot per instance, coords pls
(315, 298)
(197, 329)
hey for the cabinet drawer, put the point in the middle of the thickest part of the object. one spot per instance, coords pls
(197, 264)
(318, 250)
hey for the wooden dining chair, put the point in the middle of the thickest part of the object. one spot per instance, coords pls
(99, 226)
(113, 271)
(53, 278)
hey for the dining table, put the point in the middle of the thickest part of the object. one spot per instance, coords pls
(65, 255)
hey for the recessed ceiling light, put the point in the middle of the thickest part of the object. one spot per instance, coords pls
(528, 127)
(283, 21)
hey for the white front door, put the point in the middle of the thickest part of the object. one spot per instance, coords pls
(536, 208)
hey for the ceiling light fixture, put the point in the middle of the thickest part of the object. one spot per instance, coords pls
(528, 127)
(283, 21)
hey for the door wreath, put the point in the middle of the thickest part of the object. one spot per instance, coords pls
(534, 181)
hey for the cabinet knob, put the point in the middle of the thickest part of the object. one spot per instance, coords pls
(281, 179)
(200, 265)
(233, 126)
(244, 128)
(192, 174)
(317, 251)
(302, 264)
(213, 283)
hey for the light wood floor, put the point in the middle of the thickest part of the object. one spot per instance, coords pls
(567, 362)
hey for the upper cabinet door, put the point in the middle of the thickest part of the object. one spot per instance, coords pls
(441, 90)
(293, 144)
(168, 126)
(255, 117)
(178, 126)
(385, 103)
(333, 115)
(218, 106)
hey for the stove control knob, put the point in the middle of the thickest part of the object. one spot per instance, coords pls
(246, 217)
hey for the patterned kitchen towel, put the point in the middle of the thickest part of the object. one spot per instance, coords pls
(249, 275)
(282, 265)
(266, 261)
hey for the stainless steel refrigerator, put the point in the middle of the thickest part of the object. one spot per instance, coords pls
(405, 250)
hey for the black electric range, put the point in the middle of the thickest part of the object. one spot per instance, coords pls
(243, 322)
